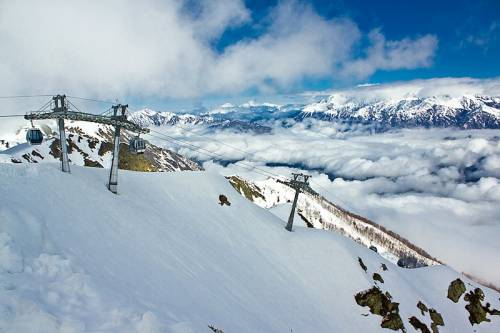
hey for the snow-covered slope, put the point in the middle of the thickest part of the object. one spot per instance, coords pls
(467, 111)
(164, 256)
(320, 213)
(91, 145)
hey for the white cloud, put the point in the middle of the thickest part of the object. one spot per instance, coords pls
(211, 18)
(165, 48)
(389, 55)
(451, 87)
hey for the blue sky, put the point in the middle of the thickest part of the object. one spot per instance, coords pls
(468, 32)
(171, 54)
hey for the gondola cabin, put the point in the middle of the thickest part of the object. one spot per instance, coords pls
(137, 145)
(34, 136)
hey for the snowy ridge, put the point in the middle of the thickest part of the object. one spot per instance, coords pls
(91, 145)
(221, 121)
(249, 106)
(467, 111)
(164, 257)
(384, 112)
(148, 117)
(320, 213)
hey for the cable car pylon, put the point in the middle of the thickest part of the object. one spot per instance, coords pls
(61, 106)
(61, 111)
(299, 182)
(119, 113)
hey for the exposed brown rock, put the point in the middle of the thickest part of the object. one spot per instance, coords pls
(223, 200)
(381, 304)
(362, 264)
(418, 325)
(437, 320)
(378, 277)
(422, 308)
(477, 311)
(456, 290)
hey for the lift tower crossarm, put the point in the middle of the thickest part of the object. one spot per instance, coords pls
(82, 116)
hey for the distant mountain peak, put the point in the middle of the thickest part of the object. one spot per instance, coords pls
(410, 110)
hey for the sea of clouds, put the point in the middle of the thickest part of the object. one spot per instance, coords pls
(440, 188)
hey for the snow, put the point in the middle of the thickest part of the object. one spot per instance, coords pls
(283, 212)
(410, 108)
(322, 214)
(42, 153)
(316, 107)
(164, 256)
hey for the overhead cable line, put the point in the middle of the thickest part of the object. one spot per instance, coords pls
(73, 105)
(22, 115)
(250, 153)
(334, 196)
(92, 100)
(11, 115)
(75, 97)
(23, 96)
(198, 148)
(211, 154)
(215, 140)
(214, 154)
(253, 154)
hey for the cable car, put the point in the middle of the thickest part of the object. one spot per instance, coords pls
(34, 136)
(137, 145)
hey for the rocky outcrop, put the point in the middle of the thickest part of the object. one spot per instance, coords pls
(456, 290)
(381, 304)
(477, 311)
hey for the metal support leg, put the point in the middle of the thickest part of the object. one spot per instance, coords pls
(289, 225)
(64, 146)
(113, 173)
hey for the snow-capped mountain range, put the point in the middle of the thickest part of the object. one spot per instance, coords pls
(464, 112)
(383, 113)
(148, 117)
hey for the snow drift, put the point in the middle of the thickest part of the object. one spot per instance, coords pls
(164, 256)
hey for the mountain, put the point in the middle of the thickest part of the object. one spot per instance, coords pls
(465, 112)
(256, 112)
(223, 121)
(147, 117)
(382, 112)
(91, 145)
(165, 256)
(319, 213)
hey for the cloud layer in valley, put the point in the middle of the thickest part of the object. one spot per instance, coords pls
(166, 48)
